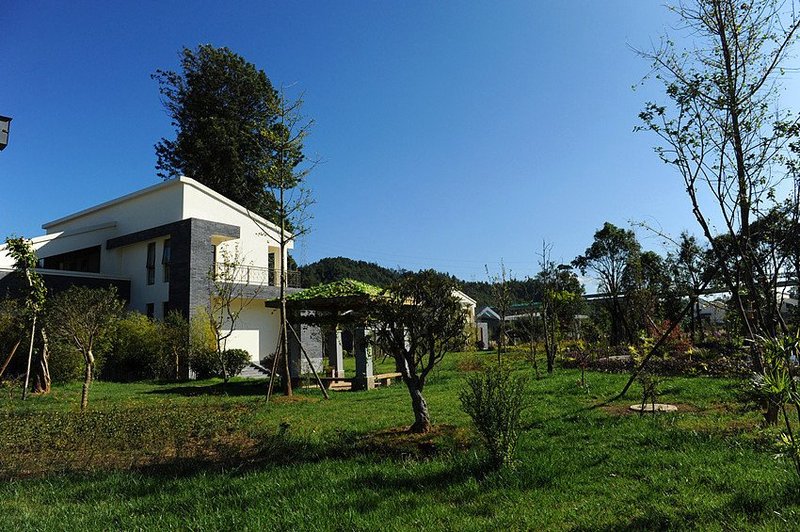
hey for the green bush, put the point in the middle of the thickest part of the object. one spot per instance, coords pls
(206, 362)
(235, 360)
(135, 352)
(65, 363)
(495, 400)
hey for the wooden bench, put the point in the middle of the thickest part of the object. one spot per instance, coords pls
(382, 379)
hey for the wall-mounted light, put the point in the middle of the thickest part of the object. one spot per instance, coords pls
(5, 126)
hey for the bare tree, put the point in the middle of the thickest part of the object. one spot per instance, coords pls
(229, 294)
(285, 177)
(501, 292)
(722, 130)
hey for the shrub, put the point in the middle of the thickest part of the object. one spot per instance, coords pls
(136, 350)
(206, 364)
(65, 363)
(495, 400)
(235, 360)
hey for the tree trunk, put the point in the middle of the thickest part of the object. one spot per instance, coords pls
(30, 356)
(422, 421)
(225, 376)
(87, 379)
(771, 414)
(287, 382)
(41, 374)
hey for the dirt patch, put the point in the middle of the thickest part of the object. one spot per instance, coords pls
(471, 363)
(398, 442)
(624, 409)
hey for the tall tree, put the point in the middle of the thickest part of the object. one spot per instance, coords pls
(721, 131)
(612, 256)
(689, 268)
(417, 322)
(219, 104)
(285, 179)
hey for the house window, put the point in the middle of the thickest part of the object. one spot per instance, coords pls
(166, 258)
(150, 310)
(165, 309)
(271, 272)
(151, 263)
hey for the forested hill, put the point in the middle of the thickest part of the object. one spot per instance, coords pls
(337, 268)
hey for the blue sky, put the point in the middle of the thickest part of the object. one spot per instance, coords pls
(452, 134)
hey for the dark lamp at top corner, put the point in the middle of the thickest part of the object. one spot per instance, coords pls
(5, 126)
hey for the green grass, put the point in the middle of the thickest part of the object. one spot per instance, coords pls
(310, 464)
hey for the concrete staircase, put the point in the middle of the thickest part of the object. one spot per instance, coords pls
(254, 371)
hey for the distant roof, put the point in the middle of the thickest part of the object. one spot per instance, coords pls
(464, 297)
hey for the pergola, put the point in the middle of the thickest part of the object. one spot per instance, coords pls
(331, 307)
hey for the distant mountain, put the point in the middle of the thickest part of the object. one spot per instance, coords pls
(337, 268)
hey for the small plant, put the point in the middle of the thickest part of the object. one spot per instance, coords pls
(777, 384)
(495, 400)
(583, 359)
(649, 383)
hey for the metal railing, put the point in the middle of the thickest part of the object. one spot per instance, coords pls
(254, 275)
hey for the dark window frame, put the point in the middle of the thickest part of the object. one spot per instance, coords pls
(166, 258)
(151, 263)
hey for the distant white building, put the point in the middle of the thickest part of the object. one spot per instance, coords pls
(158, 245)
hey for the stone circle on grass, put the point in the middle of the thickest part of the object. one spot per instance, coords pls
(658, 407)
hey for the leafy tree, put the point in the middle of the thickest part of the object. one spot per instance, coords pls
(688, 267)
(175, 333)
(84, 317)
(612, 256)
(220, 105)
(35, 294)
(417, 322)
(720, 131)
(332, 269)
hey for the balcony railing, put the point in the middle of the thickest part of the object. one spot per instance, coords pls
(255, 275)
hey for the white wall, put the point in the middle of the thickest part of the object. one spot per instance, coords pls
(150, 207)
(253, 245)
(256, 331)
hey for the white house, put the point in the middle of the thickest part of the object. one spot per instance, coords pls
(158, 245)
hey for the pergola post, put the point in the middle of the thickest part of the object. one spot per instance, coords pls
(333, 346)
(365, 379)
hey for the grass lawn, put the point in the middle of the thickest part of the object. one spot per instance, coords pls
(195, 456)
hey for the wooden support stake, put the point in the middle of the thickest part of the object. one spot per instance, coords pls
(274, 364)
(30, 356)
(10, 356)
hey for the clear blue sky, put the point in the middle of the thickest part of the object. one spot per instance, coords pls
(453, 134)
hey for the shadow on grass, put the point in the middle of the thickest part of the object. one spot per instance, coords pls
(239, 388)
(233, 449)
